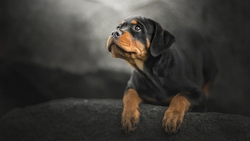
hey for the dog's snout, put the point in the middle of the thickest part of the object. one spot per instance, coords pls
(116, 33)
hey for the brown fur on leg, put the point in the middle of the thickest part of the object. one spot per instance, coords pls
(174, 115)
(206, 88)
(130, 114)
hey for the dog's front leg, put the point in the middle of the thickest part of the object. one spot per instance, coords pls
(130, 114)
(193, 100)
(174, 115)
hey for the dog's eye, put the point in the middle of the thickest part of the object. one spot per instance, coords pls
(137, 28)
(118, 27)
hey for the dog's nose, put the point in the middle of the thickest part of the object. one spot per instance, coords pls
(116, 33)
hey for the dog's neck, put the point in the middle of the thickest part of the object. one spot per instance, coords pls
(159, 64)
(155, 66)
(150, 64)
(136, 63)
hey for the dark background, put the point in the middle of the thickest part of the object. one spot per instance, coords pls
(56, 49)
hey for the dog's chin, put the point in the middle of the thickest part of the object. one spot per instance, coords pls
(118, 52)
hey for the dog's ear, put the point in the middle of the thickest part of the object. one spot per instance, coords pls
(161, 40)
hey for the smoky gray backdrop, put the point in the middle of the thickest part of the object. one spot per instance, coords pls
(56, 49)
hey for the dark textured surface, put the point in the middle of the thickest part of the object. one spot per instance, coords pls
(79, 119)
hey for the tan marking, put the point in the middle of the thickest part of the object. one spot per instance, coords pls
(179, 103)
(135, 63)
(124, 41)
(131, 100)
(139, 63)
(117, 52)
(133, 22)
(140, 57)
(122, 22)
(148, 43)
(131, 62)
(133, 51)
(130, 114)
(206, 88)
(130, 45)
(142, 51)
(174, 115)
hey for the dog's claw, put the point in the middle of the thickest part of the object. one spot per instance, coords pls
(130, 120)
(172, 121)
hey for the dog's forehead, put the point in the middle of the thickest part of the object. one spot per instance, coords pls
(146, 23)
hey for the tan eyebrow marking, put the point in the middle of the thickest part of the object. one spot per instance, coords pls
(133, 22)
(121, 22)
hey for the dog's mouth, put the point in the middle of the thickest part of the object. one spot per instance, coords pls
(126, 48)
(119, 52)
(110, 46)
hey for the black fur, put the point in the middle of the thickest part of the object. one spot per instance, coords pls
(181, 68)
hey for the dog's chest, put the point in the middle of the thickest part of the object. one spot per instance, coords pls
(163, 86)
(155, 84)
(136, 63)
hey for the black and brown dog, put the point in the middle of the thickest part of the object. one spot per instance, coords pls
(165, 74)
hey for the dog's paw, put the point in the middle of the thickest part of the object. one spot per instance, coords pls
(172, 120)
(130, 119)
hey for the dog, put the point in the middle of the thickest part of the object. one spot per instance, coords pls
(165, 74)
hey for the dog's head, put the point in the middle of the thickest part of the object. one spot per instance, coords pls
(138, 38)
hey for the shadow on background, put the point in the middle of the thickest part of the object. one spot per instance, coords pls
(56, 49)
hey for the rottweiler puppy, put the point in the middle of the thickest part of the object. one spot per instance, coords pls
(178, 76)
